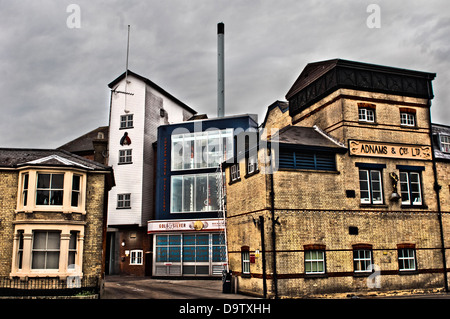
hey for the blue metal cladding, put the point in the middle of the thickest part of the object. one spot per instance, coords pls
(163, 162)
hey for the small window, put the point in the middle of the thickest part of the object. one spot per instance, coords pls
(445, 143)
(366, 115)
(124, 201)
(72, 249)
(406, 259)
(25, 189)
(235, 172)
(252, 164)
(410, 188)
(370, 185)
(314, 262)
(407, 119)
(76, 190)
(362, 260)
(245, 256)
(20, 249)
(126, 121)
(125, 157)
(136, 257)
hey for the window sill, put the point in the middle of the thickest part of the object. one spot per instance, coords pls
(315, 276)
(123, 207)
(408, 272)
(234, 181)
(373, 206)
(251, 174)
(125, 163)
(126, 128)
(49, 210)
(308, 170)
(362, 274)
(246, 275)
(414, 206)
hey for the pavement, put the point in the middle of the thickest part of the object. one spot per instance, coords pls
(131, 287)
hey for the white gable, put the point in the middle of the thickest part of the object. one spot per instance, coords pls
(60, 159)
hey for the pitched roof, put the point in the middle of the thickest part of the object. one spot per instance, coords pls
(84, 142)
(17, 157)
(306, 137)
(151, 84)
(438, 130)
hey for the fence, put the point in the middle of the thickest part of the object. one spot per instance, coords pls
(49, 286)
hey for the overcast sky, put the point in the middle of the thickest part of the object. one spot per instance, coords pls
(54, 74)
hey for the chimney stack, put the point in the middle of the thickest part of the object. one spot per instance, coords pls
(220, 70)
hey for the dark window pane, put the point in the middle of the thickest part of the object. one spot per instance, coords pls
(43, 181)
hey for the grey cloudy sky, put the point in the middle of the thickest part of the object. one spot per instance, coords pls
(54, 78)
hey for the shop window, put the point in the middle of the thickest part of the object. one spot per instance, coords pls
(136, 257)
(406, 257)
(370, 185)
(410, 188)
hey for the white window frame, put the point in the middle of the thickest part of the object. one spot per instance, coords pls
(125, 200)
(235, 172)
(45, 250)
(409, 259)
(126, 156)
(371, 182)
(252, 164)
(406, 184)
(445, 143)
(245, 256)
(362, 260)
(127, 121)
(136, 257)
(407, 119)
(315, 260)
(366, 115)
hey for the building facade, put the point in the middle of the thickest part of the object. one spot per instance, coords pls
(138, 106)
(188, 229)
(53, 215)
(346, 198)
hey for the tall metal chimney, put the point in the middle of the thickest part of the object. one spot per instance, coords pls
(220, 70)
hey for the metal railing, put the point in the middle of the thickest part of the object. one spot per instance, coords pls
(49, 286)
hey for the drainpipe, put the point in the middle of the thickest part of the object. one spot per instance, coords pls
(263, 248)
(274, 222)
(437, 188)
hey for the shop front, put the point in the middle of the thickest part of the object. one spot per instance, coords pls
(188, 247)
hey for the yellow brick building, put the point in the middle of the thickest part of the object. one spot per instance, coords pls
(52, 219)
(346, 195)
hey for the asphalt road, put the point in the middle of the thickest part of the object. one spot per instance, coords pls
(129, 287)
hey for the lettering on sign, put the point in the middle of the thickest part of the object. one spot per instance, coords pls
(391, 150)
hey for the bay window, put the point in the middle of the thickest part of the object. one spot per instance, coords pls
(45, 190)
